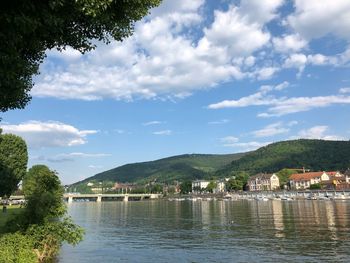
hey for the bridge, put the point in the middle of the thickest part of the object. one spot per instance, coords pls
(70, 197)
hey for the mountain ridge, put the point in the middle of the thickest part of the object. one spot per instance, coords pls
(312, 154)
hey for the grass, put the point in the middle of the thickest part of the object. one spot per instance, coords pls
(11, 212)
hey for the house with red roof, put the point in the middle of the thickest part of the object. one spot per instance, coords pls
(304, 180)
(329, 180)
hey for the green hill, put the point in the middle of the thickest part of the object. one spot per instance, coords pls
(316, 155)
(182, 167)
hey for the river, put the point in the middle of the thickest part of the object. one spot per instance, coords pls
(211, 231)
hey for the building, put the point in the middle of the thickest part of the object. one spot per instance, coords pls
(199, 185)
(123, 187)
(337, 181)
(305, 180)
(220, 187)
(263, 182)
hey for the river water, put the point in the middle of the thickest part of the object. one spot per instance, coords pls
(211, 231)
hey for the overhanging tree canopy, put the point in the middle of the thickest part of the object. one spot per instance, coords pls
(13, 162)
(29, 27)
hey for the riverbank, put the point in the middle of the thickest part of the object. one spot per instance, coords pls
(265, 195)
(11, 212)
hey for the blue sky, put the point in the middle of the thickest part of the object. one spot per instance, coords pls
(196, 77)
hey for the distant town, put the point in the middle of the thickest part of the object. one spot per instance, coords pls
(303, 180)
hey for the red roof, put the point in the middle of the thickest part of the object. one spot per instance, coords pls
(331, 173)
(305, 176)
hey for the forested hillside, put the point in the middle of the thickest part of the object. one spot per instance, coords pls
(316, 155)
(182, 167)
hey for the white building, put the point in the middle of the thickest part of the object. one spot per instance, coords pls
(263, 182)
(199, 184)
(304, 180)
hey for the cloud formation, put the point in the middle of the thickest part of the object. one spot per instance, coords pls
(39, 134)
(278, 106)
(164, 58)
(271, 130)
(318, 132)
(163, 132)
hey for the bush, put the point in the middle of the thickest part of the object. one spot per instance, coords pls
(17, 248)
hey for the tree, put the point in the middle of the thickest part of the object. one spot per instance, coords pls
(234, 185)
(18, 248)
(13, 162)
(186, 187)
(238, 181)
(211, 186)
(29, 28)
(44, 195)
(48, 237)
(283, 176)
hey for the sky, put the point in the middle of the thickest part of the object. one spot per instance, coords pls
(197, 76)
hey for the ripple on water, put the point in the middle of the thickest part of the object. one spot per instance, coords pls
(241, 231)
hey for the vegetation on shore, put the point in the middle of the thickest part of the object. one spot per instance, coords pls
(35, 232)
(283, 158)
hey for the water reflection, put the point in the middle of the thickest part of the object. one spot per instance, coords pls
(242, 231)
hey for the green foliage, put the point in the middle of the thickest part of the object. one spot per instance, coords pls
(186, 187)
(13, 162)
(284, 174)
(42, 228)
(317, 155)
(156, 189)
(211, 186)
(48, 237)
(44, 195)
(139, 190)
(315, 186)
(28, 28)
(11, 213)
(17, 248)
(167, 170)
(237, 182)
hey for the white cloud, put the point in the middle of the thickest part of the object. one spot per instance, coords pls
(237, 31)
(289, 43)
(163, 132)
(258, 11)
(256, 99)
(69, 54)
(95, 166)
(229, 140)
(266, 73)
(119, 131)
(176, 43)
(70, 157)
(314, 19)
(246, 146)
(48, 134)
(86, 155)
(282, 86)
(223, 121)
(292, 123)
(271, 130)
(296, 61)
(298, 104)
(152, 123)
(318, 132)
(344, 90)
(164, 58)
(282, 105)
